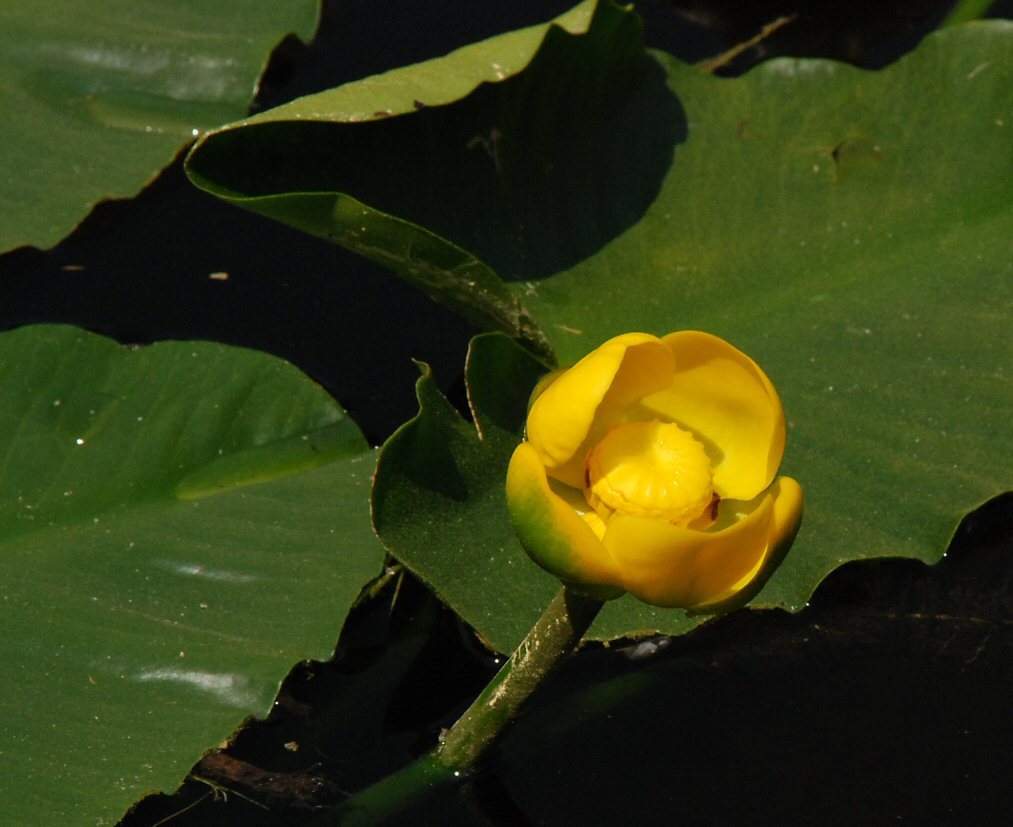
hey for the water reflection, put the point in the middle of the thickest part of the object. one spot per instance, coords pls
(229, 688)
(202, 571)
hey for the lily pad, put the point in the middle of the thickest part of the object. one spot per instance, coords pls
(97, 97)
(853, 239)
(848, 229)
(280, 163)
(179, 525)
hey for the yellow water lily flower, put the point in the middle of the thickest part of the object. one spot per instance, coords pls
(649, 467)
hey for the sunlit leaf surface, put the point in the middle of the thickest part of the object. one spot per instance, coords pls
(179, 525)
(281, 164)
(848, 229)
(95, 98)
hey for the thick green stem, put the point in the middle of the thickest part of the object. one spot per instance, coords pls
(555, 635)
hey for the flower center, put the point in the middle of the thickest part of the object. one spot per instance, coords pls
(649, 469)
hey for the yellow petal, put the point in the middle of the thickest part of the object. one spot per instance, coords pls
(595, 521)
(543, 385)
(706, 571)
(552, 532)
(581, 404)
(730, 405)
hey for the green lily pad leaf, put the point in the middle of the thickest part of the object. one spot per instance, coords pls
(179, 525)
(97, 97)
(847, 229)
(439, 505)
(281, 164)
